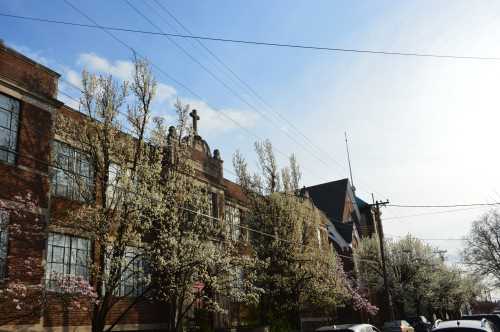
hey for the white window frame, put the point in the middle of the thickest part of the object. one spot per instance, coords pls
(72, 175)
(67, 255)
(9, 128)
(133, 275)
(232, 219)
(132, 279)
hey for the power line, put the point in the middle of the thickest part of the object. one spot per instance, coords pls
(135, 52)
(432, 213)
(443, 206)
(253, 42)
(243, 82)
(225, 85)
(107, 29)
(426, 239)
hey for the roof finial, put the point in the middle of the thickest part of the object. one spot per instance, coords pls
(196, 118)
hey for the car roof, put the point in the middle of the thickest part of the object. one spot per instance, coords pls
(475, 324)
(494, 318)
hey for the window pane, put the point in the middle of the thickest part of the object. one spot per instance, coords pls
(9, 115)
(57, 255)
(8, 103)
(5, 138)
(5, 118)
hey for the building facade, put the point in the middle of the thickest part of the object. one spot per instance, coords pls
(34, 196)
(34, 245)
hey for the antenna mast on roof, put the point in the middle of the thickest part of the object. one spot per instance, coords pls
(349, 161)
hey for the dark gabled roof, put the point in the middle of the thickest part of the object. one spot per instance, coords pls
(361, 203)
(330, 198)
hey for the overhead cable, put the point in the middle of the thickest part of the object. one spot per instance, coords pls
(254, 42)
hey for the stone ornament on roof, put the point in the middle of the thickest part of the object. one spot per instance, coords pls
(196, 118)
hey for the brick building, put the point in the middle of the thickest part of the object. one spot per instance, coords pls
(28, 111)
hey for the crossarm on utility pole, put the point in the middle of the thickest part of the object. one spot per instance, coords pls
(380, 234)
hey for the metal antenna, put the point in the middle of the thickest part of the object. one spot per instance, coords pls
(349, 161)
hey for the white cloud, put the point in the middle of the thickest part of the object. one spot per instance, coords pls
(165, 93)
(73, 77)
(212, 120)
(222, 120)
(120, 68)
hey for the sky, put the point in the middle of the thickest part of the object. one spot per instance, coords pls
(421, 130)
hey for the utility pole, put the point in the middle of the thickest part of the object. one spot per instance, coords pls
(380, 233)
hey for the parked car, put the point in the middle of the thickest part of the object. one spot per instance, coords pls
(398, 326)
(495, 319)
(482, 325)
(420, 324)
(348, 328)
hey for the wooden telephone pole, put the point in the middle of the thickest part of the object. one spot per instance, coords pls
(380, 233)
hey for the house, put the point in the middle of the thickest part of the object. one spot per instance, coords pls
(349, 219)
(349, 216)
(33, 194)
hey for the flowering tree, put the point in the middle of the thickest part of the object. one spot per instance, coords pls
(116, 202)
(193, 262)
(419, 281)
(300, 271)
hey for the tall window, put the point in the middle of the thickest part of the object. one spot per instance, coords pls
(4, 219)
(214, 206)
(113, 192)
(73, 176)
(132, 279)
(66, 256)
(232, 219)
(9, 125)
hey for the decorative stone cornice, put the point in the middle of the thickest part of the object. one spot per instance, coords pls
(16, 91)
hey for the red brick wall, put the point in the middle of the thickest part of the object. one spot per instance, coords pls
(26, 73)
(26, 183)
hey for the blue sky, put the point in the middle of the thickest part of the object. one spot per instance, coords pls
(422, 131)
